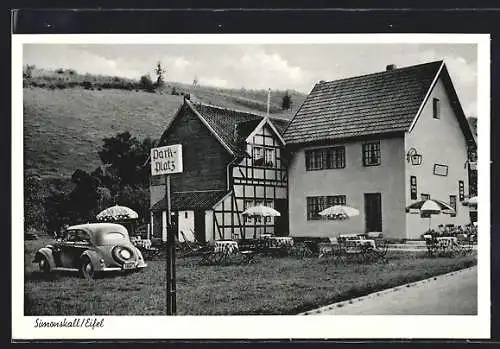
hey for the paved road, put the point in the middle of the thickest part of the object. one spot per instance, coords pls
(454, 294)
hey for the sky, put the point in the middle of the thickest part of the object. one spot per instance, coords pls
(276, 66)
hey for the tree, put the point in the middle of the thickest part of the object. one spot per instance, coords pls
(137, 198)
(159, 71)
(125, 157)
(146, 83)
(28, 71)
(34, 210)
(473, 124)
(286, 102)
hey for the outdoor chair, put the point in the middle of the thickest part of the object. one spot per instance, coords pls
(211, 256)
(188, 248)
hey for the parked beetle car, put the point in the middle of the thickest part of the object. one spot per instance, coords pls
(91, 248)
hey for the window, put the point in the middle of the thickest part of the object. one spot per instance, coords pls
(263, 156)
(258, 156)
(371, 154)
(316, 204)
(461, 191)
(335, 157)
(269, 203)
(325, 158)
(258, 219)
(436, 112)
(248, 204)
(425, 196)
(453, 203)
(268, 157)
(78, 236)
(186, 214)
(314, 160)
(413, 187)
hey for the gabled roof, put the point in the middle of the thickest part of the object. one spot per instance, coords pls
(194, 200)
(378, 103)
(230, 126)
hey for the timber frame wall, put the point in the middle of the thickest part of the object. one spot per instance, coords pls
(251, 184)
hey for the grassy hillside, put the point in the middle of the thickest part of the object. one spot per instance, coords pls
(64, 127)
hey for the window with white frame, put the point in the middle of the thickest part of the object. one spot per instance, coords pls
(258, 156)
(269, 157)
(263, 156)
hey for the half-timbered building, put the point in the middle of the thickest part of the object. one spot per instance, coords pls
(231, 160)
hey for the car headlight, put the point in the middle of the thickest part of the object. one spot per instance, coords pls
(125, 254)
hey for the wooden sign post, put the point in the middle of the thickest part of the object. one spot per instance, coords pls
(165, 161)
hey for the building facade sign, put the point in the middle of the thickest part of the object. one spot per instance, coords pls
(166, 160)
(441, 170)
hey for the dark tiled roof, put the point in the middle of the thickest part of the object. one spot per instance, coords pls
(196, 200)
(365, 105)
(233, 126)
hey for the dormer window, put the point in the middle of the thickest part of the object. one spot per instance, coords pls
(436, 109)
(263, 156)
(268, 157)
(258, 156)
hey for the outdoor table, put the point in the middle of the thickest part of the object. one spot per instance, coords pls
(143, 243)
(443, 245)
(222, 250)
(281, 241)
(226, 246)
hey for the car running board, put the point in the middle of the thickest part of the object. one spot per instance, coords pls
(64, 269)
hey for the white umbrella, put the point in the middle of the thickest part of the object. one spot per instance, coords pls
(261, 210)
(115, 213)
(340, 211)
(472, 201)
(430, 207)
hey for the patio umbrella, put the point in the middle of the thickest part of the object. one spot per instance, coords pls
(339, 211)
(262, 211)
(472, 201)
(430, 207)
(117, 213)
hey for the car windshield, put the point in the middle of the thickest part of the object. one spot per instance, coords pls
(110, 237)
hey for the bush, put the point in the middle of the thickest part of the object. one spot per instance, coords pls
(146, 83)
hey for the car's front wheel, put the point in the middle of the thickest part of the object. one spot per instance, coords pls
(87, 269)
(43, 265)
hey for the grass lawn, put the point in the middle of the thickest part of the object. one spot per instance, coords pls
(272, 286)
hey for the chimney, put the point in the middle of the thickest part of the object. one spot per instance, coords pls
(390, 67)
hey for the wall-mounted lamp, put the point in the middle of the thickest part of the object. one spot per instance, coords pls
(413, 156)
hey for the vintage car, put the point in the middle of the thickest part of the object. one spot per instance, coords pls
(90, 249)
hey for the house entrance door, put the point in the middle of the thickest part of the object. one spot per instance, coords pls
(373, 212)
